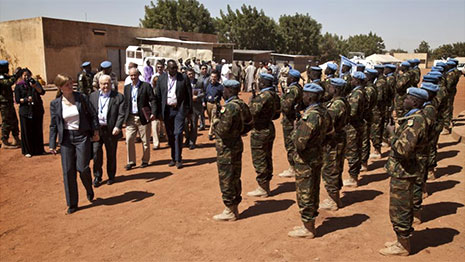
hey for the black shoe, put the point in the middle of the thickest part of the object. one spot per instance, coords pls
(172, 163)
(96, 182)
(144, 165)
(90, 197)
(72, 210)
(210, 137)
(110, 181)
(201, 128)
(191, 147)
(179, 165)
(130, 166)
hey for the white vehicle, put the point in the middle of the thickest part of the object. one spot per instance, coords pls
(140, 55)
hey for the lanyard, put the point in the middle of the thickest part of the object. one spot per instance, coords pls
(171, 83)
(229, 99)
(103, 104)
(411, 112)
(134, 92)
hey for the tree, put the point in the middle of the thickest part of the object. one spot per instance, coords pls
(449, 50)
(182, 15)
(301, 34)
(331, 46)
(423, 47)
(248, 28)
(368, 44)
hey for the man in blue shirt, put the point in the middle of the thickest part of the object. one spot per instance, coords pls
(213, 94)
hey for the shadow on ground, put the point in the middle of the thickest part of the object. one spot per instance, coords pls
(131, 196)
(262, 207)
(332, 224)
(149, 176)
(432, 237)
(447, 171)
(283, 188)
(433, 187)
(357, 196)
(440, 209)
(367, 179)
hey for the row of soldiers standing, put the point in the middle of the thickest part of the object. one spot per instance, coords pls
(339, 116)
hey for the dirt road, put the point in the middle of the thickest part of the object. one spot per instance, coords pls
(161, 213)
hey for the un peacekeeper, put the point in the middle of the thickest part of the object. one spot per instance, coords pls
(354, 130)
(403, 167)
(402, 83)
(345, 74)
(264, 108)
(333, 154)
(379, 112)
(419, 187)
(309, 138)
(389, 72)
(106, 70)
(85, 78)
(291, 102)
(227, 128)
(371, 96)
(452, 78)
(7, 109)
(415, 71)
(314, 75)
(330, 72)
(360, 67)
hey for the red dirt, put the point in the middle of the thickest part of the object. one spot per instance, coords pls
(161, 213)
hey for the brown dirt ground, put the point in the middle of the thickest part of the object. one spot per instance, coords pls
(161, 213)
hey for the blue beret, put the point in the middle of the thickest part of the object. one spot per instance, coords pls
(360, 75)
(405, 63)
(361, 65)
(454, 60)
(105, 64)
(347, 64)
(442, 64)
(452, 63)
(435, 73)
(338, 82)
(267, 76)
(413, 61)
(379, 66)
(87, 63)
(312, 87)
(315, 68)
(332, 66)
(417, 92)
(391, 66)
(431, 78)
(430, 87)
(294, 73)
(231, 84)
(437, 68)
(371, 71)
(3, 62)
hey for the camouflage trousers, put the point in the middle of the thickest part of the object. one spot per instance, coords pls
(261, 145)
(333, 163)
(366, 141)
(399, 105)
(353, 150)
(9, 120)
(377, 127)
(388, 120)
(401, 205)
(433, 147)
(229, 163)
(420, 181)
(307, 182)
(449, 108)
(288, 127)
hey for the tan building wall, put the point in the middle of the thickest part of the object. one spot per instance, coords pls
(406, 56)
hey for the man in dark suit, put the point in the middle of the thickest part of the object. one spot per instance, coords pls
(140, 109)
(174, 101)
(109, 105)
(192, 121)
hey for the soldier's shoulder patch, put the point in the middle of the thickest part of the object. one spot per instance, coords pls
(288, 91)
(410, 122)
(223, 109)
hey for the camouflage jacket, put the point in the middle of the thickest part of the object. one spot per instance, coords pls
(310, 134)
(371, 97)
(415, 75)
(451, 80)
(382, 92)
(410, 139)
(356, 101)
(84, 83)
(430, 113)
(263, 107)
(402, 83)
(6, 93)
(339, 110)
(348, 78)
(230, 123)
(291, 101)
(390, 89)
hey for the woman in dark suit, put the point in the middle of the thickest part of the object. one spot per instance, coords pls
(31, 113)
(75, 123)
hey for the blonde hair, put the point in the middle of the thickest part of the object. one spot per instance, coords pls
(61, 80)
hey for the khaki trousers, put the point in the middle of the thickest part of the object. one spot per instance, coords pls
(133, 126)
(210, 112)
(157, 130)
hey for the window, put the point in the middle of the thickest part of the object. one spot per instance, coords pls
(139, 54)
(130, 54)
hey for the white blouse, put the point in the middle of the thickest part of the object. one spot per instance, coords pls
(70, 116)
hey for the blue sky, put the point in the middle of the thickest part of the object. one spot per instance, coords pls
(401, 23)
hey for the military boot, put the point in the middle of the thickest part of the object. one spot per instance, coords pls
(351, 182)
(230, 213)
(261, 191)
(7, 144)
(306, 231)
(17, 141)
(417, 217)
(333, 203)
(431, 175)
(364, 167)
(376, 154)
(401, 247)
(424, 192)
(288, 173)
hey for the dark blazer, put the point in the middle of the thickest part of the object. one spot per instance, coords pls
(88, 118)
(23, 90)
(116, 110)
(183, 94)
(145, 98)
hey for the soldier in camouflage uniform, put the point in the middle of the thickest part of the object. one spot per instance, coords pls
(264, 107)
(452, 78)
(403, 81)
(106, 70)
(229, 125)
(85, 78)
(360, 68)
(291, 103)
(354, 130)
(7, 109)
(314, 75)
(379, 112)
(415, 72)
(345, 74)
(403, 167)
(309, 137)
(371, 96)
(333, 156)
(330, 72)
(389, 72)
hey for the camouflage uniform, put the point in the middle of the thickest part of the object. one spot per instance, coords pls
(353, 152)
(451, 79)
(229, 149)
(325, 84)
(348, 78)
(440, 102)
(7, 109)
(390, 96)
(308, 138)
(114, 80)
(85, 82)
(379, 112)
(333, 157)
(291, 101)
(371, 96)
(263, 108)
(402, 83)
(403, 167)
(415, 75)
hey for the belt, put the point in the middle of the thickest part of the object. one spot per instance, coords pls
(172, 106)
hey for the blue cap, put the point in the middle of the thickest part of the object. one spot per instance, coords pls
(418, 92)
(405, 63)
(332, 66)
(3, 62)
(437, 68)
(87, 63)
(371, 71)
(105, 64)
(391, 66)
(267, 76)
(430, 87)
(294, 73)
(360, 75)
(231, 84)
(450, 62)
(338, 82)
(345, 63)
(379, 66)
(315, 68)
(361, 65)
(312, 87)
(442, 64)
(431, 78)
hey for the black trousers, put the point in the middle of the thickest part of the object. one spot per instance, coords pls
(111, 144)
(174, 124)
(191, 127)
(75, 157)
(32, 138)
